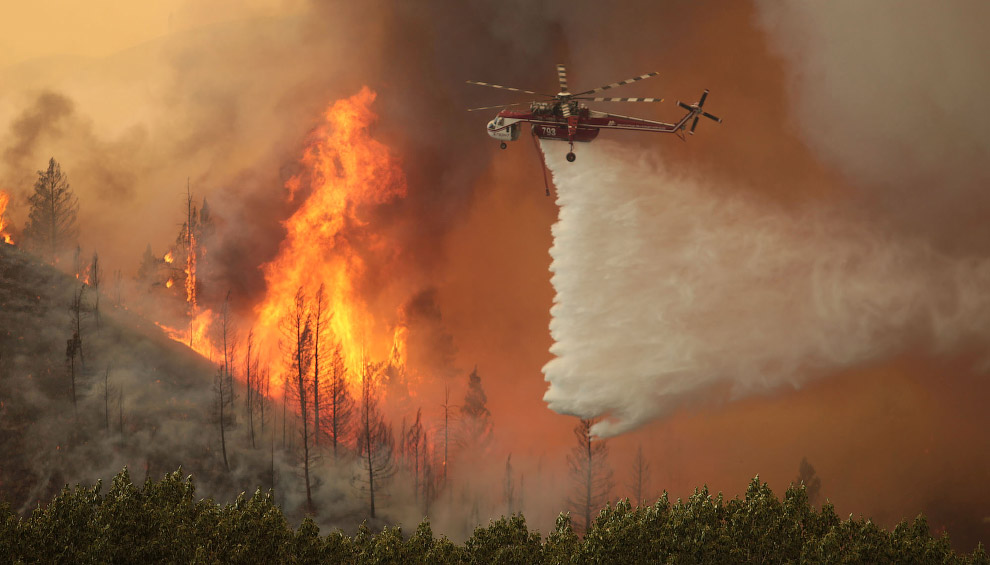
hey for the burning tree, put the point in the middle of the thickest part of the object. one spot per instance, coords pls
(297, 331)
(5, 236)
(590, 473)
(375, 442)
(51, 226)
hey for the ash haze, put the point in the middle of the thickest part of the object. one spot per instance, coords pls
(803, 280)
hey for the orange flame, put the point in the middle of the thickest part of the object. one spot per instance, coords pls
(169, 283)
(346, 172)
(4, 236)
(168, 258)
(197, 337)
(191, 272)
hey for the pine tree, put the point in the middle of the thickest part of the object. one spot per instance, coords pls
(415, 439)
(812, 483)
(51, 226)
(147, 273)
(476, 420)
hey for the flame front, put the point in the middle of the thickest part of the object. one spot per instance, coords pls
(345, 174)
(4, 235)
(197, 337)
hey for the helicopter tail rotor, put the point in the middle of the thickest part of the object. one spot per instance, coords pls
(697, 111)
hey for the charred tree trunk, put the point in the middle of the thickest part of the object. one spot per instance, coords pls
(221, 403)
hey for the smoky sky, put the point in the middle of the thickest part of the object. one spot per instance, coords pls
(870, 112)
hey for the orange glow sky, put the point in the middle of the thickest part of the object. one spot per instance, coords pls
(477, 226)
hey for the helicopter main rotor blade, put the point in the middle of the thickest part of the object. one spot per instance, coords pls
(508, 88)
(694, 124)
(499, 106)
(615, 84)
(703, 96)
(562, 77)
(685, 106)
(623, 99)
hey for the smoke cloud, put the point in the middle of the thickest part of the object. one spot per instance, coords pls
(670, 291)
(890, 95)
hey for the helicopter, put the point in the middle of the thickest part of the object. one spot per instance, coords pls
(565, 117)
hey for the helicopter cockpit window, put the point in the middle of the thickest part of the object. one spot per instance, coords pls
(498, 122)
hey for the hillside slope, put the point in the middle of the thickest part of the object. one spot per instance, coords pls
(156, 415)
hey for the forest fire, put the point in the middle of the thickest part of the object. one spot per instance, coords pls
(329, 242)
(197, 336)
(4, 234)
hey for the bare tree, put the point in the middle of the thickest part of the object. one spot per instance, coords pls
(95, 274)
(640, 479)
(51, 226)
(509, 488)
(590, 473)
(265, 390)
(341, 403)
(445, 432)
(224, 383)
(375, 442)
(220, 407)
(73, 345)
(297, 331)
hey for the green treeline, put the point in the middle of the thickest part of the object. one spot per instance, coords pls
(163, 522)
